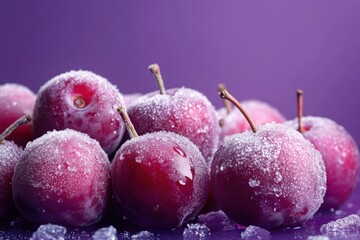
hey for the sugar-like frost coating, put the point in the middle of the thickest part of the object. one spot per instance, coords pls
(83, 101)
(340, 153)
(62, 177)
(270, 178)
(182, 110)
(160, 179)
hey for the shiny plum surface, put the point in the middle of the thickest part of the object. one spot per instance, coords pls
(160, 179)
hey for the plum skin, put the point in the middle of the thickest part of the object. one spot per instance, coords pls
(158, 181)
(62, 180)
(278, 180)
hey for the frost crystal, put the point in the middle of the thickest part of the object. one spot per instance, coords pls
(343, 227)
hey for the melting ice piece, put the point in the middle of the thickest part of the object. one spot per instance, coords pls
(218, 221)
(143, 235)
(318, 237)
(49, 232)
(196, 231)
(106, 233)
(254, 232)
(343, 227)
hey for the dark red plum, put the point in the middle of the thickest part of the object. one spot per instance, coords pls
(160, 179)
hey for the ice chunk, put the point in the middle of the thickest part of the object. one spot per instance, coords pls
(254, 232)
(143, 235)
(49, 232)
(106, 233)
(196, 231)
(343, 227)
(318, 237)
(218, 221)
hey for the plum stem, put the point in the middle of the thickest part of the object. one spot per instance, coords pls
(129, 126)
(226, 95)
(299, 97)
(155, 70)
(227, 103)
(22, 120)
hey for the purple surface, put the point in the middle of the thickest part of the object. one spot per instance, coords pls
(264, 50)
(219, 228)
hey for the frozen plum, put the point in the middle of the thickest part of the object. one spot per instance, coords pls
(181, 110)
(62, 177)
(339, 151)
(270, 177)
(160, 179)
(83, 101)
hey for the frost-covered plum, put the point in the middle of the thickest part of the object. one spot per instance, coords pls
(339, 151)
(16, 101)
(62, 177)
(181, 110)
(160, 179)
(270, 177)
(83, 101)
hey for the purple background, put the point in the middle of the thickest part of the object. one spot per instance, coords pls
(259, 49)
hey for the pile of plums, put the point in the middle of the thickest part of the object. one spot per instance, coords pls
(160, 159)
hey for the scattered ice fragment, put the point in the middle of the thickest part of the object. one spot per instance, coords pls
(254, 232)
(143, 235)
(217, 220)
(106, 233)
(318, 237)
(49, 232)
(343, 227)
(196, 231)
